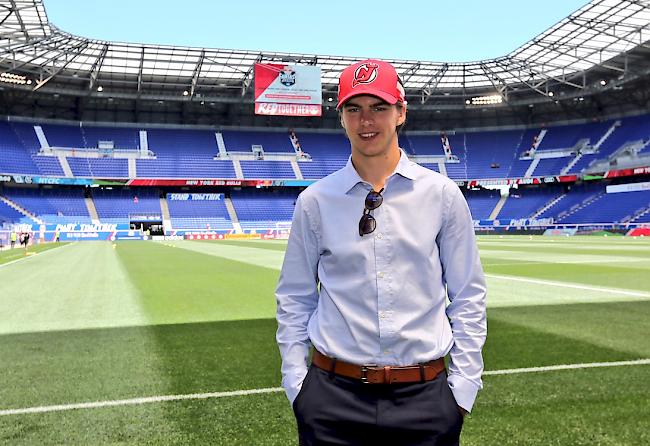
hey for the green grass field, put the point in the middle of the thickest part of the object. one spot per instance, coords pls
(124, 326)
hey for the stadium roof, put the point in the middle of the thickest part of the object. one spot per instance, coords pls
(603, 45)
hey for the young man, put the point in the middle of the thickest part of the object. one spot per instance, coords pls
(375, 250)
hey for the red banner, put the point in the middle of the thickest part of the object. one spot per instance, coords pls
(288, 90)
(196, 182)
(265, 108)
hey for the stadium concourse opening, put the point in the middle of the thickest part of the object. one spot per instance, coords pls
(147, 224)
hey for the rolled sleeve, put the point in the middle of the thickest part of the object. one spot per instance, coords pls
(297, 298)
(466, 289)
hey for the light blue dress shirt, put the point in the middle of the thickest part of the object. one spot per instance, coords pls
(382, 298)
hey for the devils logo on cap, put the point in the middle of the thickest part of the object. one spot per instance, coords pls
(365, 74)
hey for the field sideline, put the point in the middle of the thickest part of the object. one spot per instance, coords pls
(190, 324)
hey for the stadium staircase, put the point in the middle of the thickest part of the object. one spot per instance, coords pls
(596, 147)
(92, 211)
(233, 215)
(133, 170)
(223, 153)
(239, 173)
(587, 202)
(548, 206)
(498, 207)
(65, 166)
(569, 166)
(609, 131)
(167, 219)
(639, 215)
(296, 169)
(531, 168)
(21, 209)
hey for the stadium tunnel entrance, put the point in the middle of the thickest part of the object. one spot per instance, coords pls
(148, 224)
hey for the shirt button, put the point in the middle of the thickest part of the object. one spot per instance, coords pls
(379, 235)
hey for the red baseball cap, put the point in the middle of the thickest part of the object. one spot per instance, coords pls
(373, 77)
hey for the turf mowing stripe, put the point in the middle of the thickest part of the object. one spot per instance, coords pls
(35, 254)
(196, 396)
(570, 285)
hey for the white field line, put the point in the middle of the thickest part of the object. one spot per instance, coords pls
(552, 368)
(576, 286)
(196, 396)
(562, 262)
(35, 254)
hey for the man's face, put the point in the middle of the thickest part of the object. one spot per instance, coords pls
(370, 124)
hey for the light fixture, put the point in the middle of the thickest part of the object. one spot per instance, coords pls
(330, 99)
(100, 88)
(603, 82)
(550, 93)
(467, 102)
(10, 78)
(186, 93)
(485, 100)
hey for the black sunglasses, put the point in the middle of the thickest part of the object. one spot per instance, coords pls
(368, 224)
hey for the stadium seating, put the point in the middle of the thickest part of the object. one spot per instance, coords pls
(631, 129)
(524, 203)
(189, 153)
(52, 205)
(184, 154)
(99, 167)
(123, 138)
(272, 142)
(117, 205)
(198, 214)
(610, 208)
(481, 203)
(257, 209)
(267, 169)
(578, 196)
(329, 152)
(8, 214)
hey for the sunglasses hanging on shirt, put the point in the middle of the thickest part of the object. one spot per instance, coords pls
(368, 224)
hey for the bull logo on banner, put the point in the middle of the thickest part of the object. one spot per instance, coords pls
(287, 77)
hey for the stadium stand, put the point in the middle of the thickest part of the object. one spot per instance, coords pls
(609, 208)
(329, 152)
(198, 214)
(189, 153)
(243, 141)
(482, 202)
(263, 210)
(52, 205)
(9, 214)
(524, 203)
(16, 158)
(99, 167)
(183, 154)
(118, 205)
(267, 169)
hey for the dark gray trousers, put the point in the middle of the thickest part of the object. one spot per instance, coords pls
(334, 410)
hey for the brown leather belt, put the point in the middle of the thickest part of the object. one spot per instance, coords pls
(372, 374)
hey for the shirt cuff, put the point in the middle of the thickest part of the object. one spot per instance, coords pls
(464, 391)
(292, 385)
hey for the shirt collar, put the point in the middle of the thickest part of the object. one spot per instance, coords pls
(350, 177)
